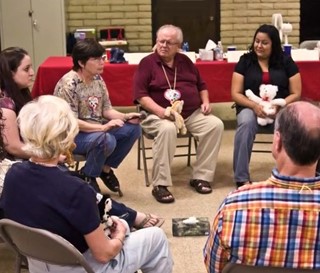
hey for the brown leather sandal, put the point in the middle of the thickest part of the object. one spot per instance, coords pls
(162, 194)
(201, 186)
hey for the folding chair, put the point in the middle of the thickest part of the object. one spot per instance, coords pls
(142, 154)
(41, 245)
(78, 158)
(240, 268)
(263, 146)
(309, 44)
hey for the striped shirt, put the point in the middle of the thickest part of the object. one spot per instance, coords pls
(271, 223)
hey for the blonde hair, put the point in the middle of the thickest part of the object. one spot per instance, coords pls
(47, 126)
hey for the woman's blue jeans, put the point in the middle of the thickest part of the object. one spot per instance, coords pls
(106, 148)
(247, 128)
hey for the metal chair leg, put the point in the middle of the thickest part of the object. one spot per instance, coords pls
(139, 154)
(189, 150)
(144, 158)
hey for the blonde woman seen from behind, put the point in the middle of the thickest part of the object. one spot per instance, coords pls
(67, 206)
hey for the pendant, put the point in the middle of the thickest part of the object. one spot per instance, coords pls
(172, 95)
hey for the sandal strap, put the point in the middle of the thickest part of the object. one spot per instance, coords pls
(201, 186)
(162, 191)
(144, 221)
(162, 194)
(200, 183)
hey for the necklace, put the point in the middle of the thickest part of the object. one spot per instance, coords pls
(175, 77)
(43, 164)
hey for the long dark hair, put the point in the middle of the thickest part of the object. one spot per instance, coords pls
(10, 60)
(2, 149)
(276, 56)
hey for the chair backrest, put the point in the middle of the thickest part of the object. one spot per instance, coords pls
(41, 245)
(309, 44)
(240, 268)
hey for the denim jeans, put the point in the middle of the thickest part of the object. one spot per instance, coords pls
(247, 128)
(106, 148)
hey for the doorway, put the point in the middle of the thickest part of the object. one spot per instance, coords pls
(309, 20)
(198, 19)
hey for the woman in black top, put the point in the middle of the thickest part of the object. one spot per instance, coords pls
(264, 64)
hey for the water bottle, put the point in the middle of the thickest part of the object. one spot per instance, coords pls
(185, 47)
(218, 52)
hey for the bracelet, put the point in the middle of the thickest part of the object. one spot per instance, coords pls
(122, 242)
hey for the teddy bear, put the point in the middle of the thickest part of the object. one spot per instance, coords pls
(175, 109)
(107, 219)
(267, 99)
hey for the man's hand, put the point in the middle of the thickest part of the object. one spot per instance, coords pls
(206, 108)
(133, 117)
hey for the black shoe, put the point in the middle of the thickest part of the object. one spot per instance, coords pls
(111, 181)
(92, 181)
(240, 184)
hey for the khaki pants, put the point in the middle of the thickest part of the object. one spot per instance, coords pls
(207, 129)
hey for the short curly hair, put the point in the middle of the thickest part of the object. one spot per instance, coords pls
(47, 126)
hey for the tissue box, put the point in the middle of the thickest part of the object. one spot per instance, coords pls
(234, 56)
(305, 54)
(205, 55)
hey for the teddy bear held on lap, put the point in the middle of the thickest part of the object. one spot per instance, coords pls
(175, 109)
(267, 94)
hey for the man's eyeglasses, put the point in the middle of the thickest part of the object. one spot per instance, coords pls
(168, 43)
(99, 59)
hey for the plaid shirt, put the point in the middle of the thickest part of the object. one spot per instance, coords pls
(271, 223)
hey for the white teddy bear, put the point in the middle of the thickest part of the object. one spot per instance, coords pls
(267, 94)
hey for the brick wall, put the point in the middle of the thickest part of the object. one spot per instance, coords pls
(239, 19)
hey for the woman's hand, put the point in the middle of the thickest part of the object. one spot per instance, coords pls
(118, 229)
(276, 109)
(258, 110)
(114, 123)
(133, 117)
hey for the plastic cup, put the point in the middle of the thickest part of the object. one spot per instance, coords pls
(108, 53)
(287, 49)
(232, 48)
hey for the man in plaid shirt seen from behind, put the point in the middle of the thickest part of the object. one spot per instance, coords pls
(275, 222)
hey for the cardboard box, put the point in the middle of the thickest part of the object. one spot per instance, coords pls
(83, 33)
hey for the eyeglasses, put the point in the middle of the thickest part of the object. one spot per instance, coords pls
(168, 43)
(99, 59)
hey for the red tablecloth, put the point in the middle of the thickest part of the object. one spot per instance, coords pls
(118, 78)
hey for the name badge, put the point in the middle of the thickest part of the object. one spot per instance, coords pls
(172, 95)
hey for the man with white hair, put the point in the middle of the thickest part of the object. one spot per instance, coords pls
(161, 79)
